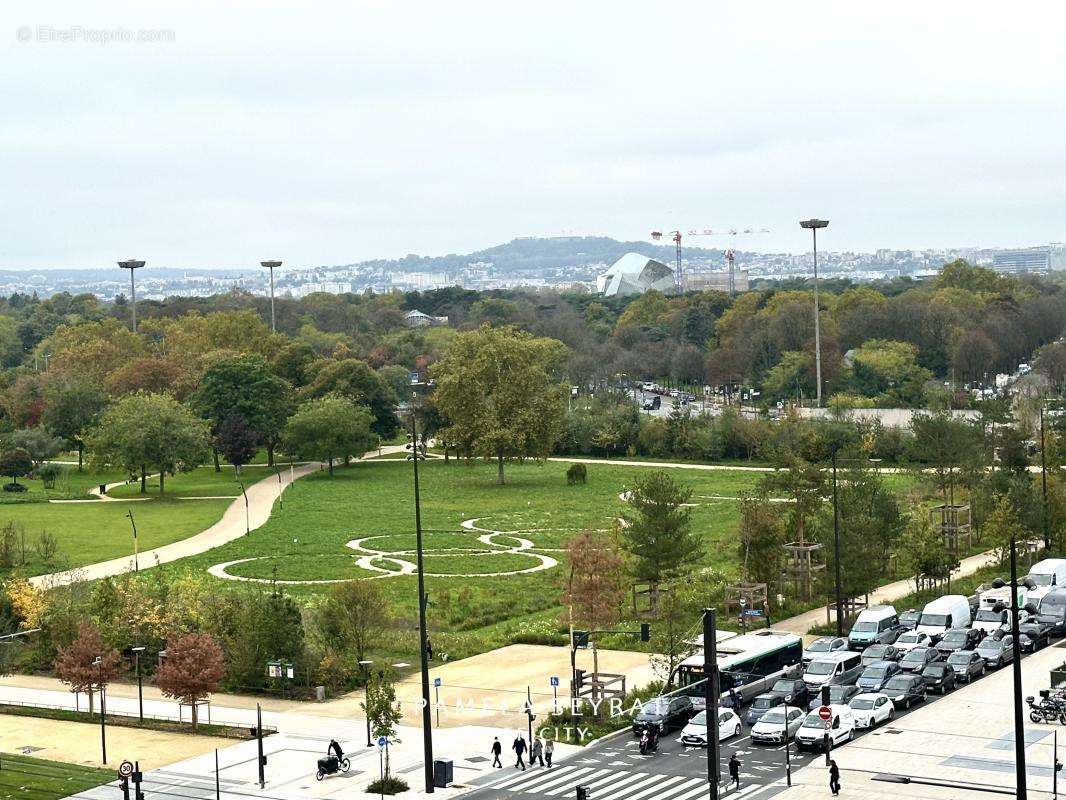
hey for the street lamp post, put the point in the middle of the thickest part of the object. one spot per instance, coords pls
(366, 664)
(98, 662)
(814, 225)
(140, 683)
(136, 554)
(423, 636)
(270, 266)
(836, 549)
(131, 265)
(1019, 722)
(1043, 484)
(710, 696)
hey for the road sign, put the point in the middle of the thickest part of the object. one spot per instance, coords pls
(752, 612)
(382, 741)
(554, 680)
(436, 681)
(825, 713)
(828, 724)
(125, 769)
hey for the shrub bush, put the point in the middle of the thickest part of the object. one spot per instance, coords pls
(576, 474)
(390, 785)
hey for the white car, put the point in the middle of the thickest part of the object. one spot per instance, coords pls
(911, 639)
(870, 709)
(694, 733)
(771, 726)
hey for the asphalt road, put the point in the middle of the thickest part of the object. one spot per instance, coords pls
(615, 770)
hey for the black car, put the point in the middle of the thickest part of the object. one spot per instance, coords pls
(939, 677)
(996, 651)
(918, 658)
(792, 690)
(905, 690)
(1034, 635)
(880, 652)
(838, 696)
(663, 713)
(1052, 610)
(967, 665)
(958, 639)
(908, 620)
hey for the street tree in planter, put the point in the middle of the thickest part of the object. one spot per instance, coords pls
(384, 713)
(75, 664)
(16, 463)
(327, 428)
(193, 668)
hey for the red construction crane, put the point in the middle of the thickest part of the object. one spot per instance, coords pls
(730, 254)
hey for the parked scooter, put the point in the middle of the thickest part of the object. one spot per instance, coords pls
(1047, 710)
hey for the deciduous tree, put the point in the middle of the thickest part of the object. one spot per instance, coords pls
(76, 663)
(657, 528)
(71, 407)
(192, 669)
(16, 463)
(354, 617)
(328, 428)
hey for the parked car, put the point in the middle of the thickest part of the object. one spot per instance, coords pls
(908, 620)
(811, 734)
(776, 724)
(838, 695)
(905, 690)
(1052, 610)
(996, 651)
(694, 734)
(911, 639)
(823, 645)
(663, 713)
(792, 690)
(760, 705)
(880, 652)
(967, 665)
(939, 677)
(871, 709)
(947, 612)
(917, 659)
(874, 625)
(1034, 635)
(958, 639)
(876, 675)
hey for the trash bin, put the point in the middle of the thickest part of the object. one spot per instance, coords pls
(320, 693)
(103, 488)
(443, 772)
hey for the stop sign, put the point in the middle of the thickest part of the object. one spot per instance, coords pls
(825, 713)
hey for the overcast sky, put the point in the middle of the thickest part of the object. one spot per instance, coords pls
(326, 133)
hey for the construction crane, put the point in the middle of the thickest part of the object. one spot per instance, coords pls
(679, 285)
(730, 254)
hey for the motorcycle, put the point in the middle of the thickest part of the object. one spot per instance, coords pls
(330, 765)
(649, 742)
(1047, 710)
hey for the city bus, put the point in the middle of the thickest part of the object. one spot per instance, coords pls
(748, 664)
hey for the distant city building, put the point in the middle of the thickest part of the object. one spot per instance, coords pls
(1031, 259)
(634, 273)
(719, 280)
(416, 319)
(324, 287)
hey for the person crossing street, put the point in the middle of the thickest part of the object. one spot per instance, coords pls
(519, 748)
(734, 770)
(535, 753)
(549, 751)
(497, 749)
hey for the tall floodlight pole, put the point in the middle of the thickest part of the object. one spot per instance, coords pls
(710, 696)
(1019, 720)
(814, 225)
(836, 549)
(131, 265)
(423, 636)
(1043, 484)
(270, 266)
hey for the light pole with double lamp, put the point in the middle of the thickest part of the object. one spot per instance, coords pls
(270, 265)
(366, 664)
(132, 265)
(813, 225)
(140, 683)
(98, 662)
(418, 453)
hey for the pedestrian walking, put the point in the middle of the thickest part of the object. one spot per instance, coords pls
(549, 751)
(734, 770)
(834, 777)
(429, 649)
(535, 753)
(734, 699)
(519, 748)
(497, 749)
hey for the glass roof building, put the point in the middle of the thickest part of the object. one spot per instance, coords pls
(634, 273)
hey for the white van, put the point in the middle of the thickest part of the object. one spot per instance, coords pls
(841, 668)
(943, 614)
(812, 732)
(988, 619)
(874, 625)
(1047, 575)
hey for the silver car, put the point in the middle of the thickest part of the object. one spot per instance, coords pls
(823, 646)
(776, 723)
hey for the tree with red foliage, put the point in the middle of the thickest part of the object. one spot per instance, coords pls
(192, 669)
(75, 665)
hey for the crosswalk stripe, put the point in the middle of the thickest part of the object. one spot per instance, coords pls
(542, 782)
(619, 780)
(641, 788)
(661, 790)
(584, 781)
(693, 792)
(523, 776)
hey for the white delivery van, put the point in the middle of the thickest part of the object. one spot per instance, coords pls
(811, 734)
(1047, 575)
(874, 625)
(943, 614)
(988, 619)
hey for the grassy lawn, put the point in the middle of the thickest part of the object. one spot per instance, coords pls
(22, 776)
(201, 482)
(71, 485)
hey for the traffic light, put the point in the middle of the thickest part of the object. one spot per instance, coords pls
(645, 632)
(579, 678)
(581, 639)
(825, 695)
(584, 793)
(124, 787)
